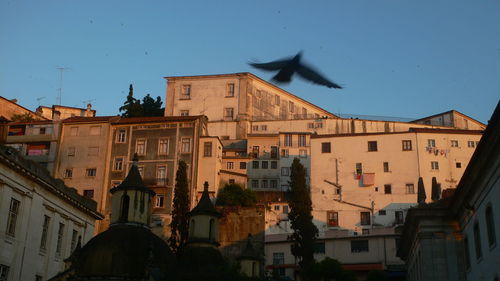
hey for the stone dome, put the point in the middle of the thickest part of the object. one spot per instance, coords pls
(126, 251)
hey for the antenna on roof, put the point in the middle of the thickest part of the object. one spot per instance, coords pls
(39, 99)
(86, 102)
(59, 96)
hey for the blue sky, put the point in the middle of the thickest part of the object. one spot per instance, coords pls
(395, 58)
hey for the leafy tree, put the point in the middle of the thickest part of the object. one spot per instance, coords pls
(132, 106)
(152, 107)
(421, 191)
(304, 230)
(330, 269)
(26, 117)
(436, 190)
(234, 195)
(180, 224)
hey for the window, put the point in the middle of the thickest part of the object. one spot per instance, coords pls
(42, 131)
(255, 164)
(95, 130)
(303, 153)
(140, 147)
(454, 143)
(230, 165)
(74, 237)
(255, 151)
(73, 131)
(458, 165)
(467, 253)
(228, 114)
(406, 145)
(358, 246)
(160, 201)
(185, 92)
(490, 226)
(161, 175)
(431, 143)
(4, 272)
(319, 247)
(118, 165)
(288, 139)
(45, 232)
(263, 127)
(93, 151)
(163, 146)
(230, 90)
(232, 181)
(410, 188)
(477, 241)
(302, 140)
(434, 165)
(291, 106)
(372, 146)
(277, 100)
(359, 168)
(185, 145)
(91, 172)
(387, 188)
(265, 164)
(332, 218)
(325, 147)
(365, 218)
(184, 112)
(68, 173)
(285, 171)
(382, 212)
(207, 149)
(284, 153)
(89, 193)
(255, 128)
(399, 217)
(264, 184)
(12, 218)
(279, 258)
(386, 167)
(274, 183)
(274, 152)
(255, 183)
(71, 151)
(243, 165)
(274, 164)
(121, 136)
(60, 237)
(470, 144)
(276, 207)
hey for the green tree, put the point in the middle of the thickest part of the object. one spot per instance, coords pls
(132, 106)
(233, 194)
(180, 224)
(421, 191)
(26, 117)
(152, 107)
(436, 190)
(304, 230)
(328, 270)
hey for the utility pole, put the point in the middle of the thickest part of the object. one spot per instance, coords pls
(60, 90)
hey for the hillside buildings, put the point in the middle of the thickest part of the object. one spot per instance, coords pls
(41, 219)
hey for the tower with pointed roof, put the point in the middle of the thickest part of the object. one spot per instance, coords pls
(131, 200)
(250, 259)
(204, 222)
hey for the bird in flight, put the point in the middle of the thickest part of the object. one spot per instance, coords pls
(289, 66)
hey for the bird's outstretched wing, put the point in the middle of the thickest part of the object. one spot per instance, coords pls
(310, 74)
(271, 66)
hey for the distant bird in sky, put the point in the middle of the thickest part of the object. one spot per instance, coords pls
(287, 67)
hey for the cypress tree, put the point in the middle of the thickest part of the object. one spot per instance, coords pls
(132, 106)
(180, 225)
(421, 191)
(436, 190)
(304, 230)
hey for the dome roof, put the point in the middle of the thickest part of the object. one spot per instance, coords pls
(125, 251)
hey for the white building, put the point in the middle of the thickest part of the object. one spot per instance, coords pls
(41, 219)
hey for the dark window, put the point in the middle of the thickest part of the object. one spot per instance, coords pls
(288, 139)
(12, 217)
(265, 164)
(365, 218)
(372, 146)
(358, 246)
(365, 231)
(406, 145)
(325, 147)
(302, 140)
(4, 272)
(89, 193)
(274, 152)
(255, 184)
(477, 241)
(359, 168)
(319, 247)
(255, 151)
(458, 165)
(284, 153)
(45, 232)
(243, 165)
(381, 212)
(399, 218)
(255, 164)
(274, 165)
(125, 206)
(207, 149)
(231, 181)
(490, 226)
(386, 167)
(60, 237)
(332, 218)
(387, 188)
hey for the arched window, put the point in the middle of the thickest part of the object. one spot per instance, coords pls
(211, 230)
(125, 206)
